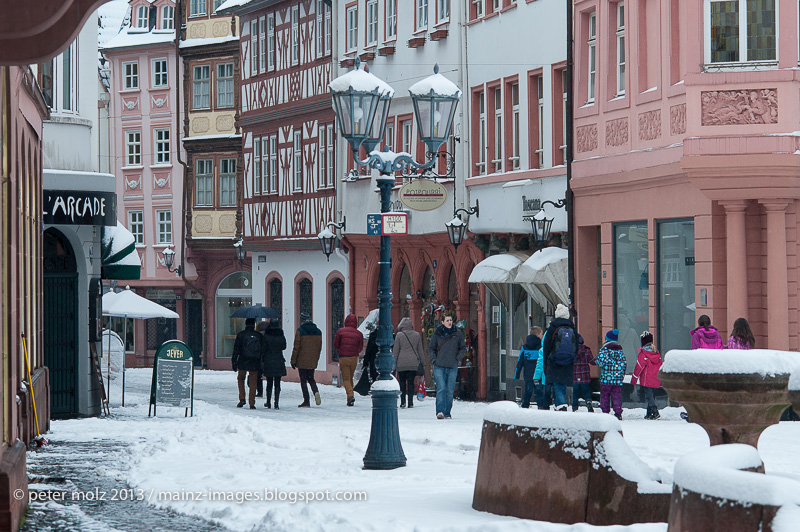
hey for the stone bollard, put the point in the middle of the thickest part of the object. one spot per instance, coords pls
(564, 468)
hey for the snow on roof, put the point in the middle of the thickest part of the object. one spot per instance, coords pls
(716, 471)
(360, 80)
(211, 40)
(228, 4)
(129, 37)
(219, 136)
(509, 413)
(437, 84)
(731, 361)
(110, 20)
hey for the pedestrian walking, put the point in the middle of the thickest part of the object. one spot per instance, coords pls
(446, 349)
(705, 336)
(273, 363)
(305, 357)
(407, 351)
(648, 362)
(612, 364)
(349, 341)
(371, 352)
(741, 337)
(526, 365)
(581, 377)
(559, 349)
(246, 361)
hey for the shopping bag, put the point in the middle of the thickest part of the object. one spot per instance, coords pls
(363, 385)
(421, 393)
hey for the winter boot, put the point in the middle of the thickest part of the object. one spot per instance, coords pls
(240, 404)
(649, 413)
(304, 404)
(277, 395)
(618, 416)
(351, 401)
(655, 414)
(403, 402)
(589, 407)
(267, 404)
(317, 398)
(410, 401)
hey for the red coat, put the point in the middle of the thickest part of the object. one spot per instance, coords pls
(647, 365)
(349, 340)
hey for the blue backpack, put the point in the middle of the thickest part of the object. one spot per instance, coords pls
(565, 346)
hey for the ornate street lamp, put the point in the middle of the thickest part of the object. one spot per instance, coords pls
(361, 101)
(327, 238)
(456, 228)
(241, 253)
(169, 259)
(541, 224)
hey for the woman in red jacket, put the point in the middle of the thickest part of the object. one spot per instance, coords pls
(647, 365)
(348, 341)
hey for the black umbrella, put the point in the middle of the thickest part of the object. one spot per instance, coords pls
(256, 312)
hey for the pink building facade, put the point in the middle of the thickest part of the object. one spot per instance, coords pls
(143, 105)
(685, 169)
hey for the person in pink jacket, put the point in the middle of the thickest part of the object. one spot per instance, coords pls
(648, 363)
(706, 336)
(741, 337)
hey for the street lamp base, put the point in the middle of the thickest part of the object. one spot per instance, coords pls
(384, 450)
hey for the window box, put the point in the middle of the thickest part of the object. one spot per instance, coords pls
(439, 34)
(347, 62)
(416, 42)
(368, 55)
(387, 49)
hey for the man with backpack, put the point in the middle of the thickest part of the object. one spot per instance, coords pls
(247, 358)
(558, 354)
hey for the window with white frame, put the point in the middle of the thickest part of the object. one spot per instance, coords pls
(328, 30)
(60, 80)
(329, 156)
(161, 141)
(422, 14)
(254, 47)
(405, 132)
(372, 22)
(256, 166)
(481, 164)
(391, 19)
(591, 55)
(478, 8)
(271, 41)
(164, 221)
(515, 127)
(142, 16)
(497, 162)
(204, 183)
(201, 86)
(295, 34)
(740, 31)
(563, 146)
(495, 5)
(130, 72)
(389, 136)
(320, 28)
(442, 11)
(298, 160)
(352, 28)
(159, 72)
(321, 165)
(265, 183)
(136, 226)
(167, 18)
(227, 182)
(273, 164)
(262, 49)
(225, 85)
(620, 48)
(540, 100)
(197, 7)
(133, 148)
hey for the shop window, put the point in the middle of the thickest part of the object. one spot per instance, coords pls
(631, 286)
(676, 287)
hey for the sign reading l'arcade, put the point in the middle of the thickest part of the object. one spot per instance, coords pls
(79, 207)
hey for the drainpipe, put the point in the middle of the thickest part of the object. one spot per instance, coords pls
(184, 198)
(570, 196)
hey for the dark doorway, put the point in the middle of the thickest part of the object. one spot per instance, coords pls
(194, 329)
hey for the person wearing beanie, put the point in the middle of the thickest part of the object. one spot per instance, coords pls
(526, 363)
(305, 357)
(612, 364)
(648, 362)
(559, 349)
(581, 376)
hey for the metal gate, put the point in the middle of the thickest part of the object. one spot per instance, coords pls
(60, 322)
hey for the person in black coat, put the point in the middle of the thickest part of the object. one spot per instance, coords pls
(272, 362)
(246, 359)
(560, 376)
(370, 354)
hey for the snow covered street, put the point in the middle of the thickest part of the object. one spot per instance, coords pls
(229, 454)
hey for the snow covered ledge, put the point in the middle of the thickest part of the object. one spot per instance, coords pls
(724, 488)
(733, 394)
(564, 467)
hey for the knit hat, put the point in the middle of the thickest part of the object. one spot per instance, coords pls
(647, 338)
(612, 335)
(562, 312)
(305, 316)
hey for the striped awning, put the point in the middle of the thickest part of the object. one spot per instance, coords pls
(119, 256)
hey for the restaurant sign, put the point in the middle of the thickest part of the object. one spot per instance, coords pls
(79, 207)
(422, 195)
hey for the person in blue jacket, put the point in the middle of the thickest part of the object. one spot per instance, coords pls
(527, 362)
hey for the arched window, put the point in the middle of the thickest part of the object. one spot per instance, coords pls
(141, 16)
(404, 293)
(305, 297)
(276, 295)
(233, 292)
(428, 285)
(452, 287)
(336, 306)
(167, 18)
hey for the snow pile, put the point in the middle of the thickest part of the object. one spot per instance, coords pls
(615, 454)
(508, 413)
(765, 362)
(716, 472)
(794, 380)
(786, 519)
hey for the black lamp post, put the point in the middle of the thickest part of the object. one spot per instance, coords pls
(361, 102)
(169, 260)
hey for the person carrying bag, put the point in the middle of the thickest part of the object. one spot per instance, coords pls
(407, 359)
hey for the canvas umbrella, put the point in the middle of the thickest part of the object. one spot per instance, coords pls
(128, 304)
(256, 312)
(545, 274)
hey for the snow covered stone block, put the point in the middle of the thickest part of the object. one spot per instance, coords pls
(725, 488)
(565, 468)
(733, 394)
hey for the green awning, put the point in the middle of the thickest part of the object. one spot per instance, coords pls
(119, 257)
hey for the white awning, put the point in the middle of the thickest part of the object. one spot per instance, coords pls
(545, 273)
(497, 273)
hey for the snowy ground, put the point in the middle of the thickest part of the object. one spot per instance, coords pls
(231, 453)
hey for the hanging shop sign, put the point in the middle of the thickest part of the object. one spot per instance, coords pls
(77, 207)
(387, 224)
(173, 377)
(422, 195)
